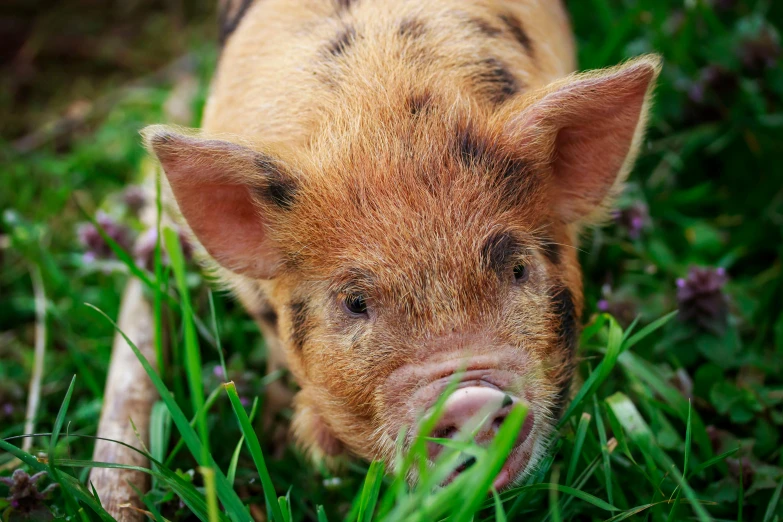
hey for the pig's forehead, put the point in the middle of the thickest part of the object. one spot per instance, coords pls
(445, 170)
(411, 190)
(405, 230)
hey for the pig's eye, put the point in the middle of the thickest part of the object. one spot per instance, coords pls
(355, 304)
(521, 273)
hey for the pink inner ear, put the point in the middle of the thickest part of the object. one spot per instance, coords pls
(226, 222)
(592, 122)
(590, 155)
(206, 179)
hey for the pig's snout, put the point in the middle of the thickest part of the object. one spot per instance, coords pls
(477, 412)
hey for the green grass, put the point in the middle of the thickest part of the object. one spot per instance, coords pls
(674, 420)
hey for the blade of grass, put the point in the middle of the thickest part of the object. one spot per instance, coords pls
(567, 490)
(498, 451)
(631, 327)
(159, 279)
(192, 364)
(639, 432)
(769, 515)
(370, 491)
(711, 462)
(601, 372)
(232, 466)
(233, 505)
(647, 330)
(188, 493)
(579, 440)
(321, 513)
(255, 450)
(417, 449)
(599, 423)
(673, 513)
(153, 510)
(213, 396)
(216, 333)
(160, 428)
(285, 507)
(53, 472)
(650, 375)
(554, 506)
(500, 515)
(741, 494)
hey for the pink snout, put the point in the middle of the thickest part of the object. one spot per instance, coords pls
(480, 410)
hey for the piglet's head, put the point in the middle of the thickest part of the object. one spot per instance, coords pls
(417, 237)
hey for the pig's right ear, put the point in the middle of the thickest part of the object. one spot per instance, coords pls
(225, 192)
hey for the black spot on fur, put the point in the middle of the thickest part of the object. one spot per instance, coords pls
(499, 250)
(472, 147)
(230, 14)
(162, 139)
(411, 28)
(485, 27)
(565, 311)
(520, 35)
(420, 102)
(300, 324)
(551, 250)
(477, 150)
(496, 80)
(515, 172)
(282, 191)
(343, 5)
(268, 316)
(568, 333)
(279, 187)
(342, 42)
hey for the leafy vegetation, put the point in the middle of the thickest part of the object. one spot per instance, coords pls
(677, 417)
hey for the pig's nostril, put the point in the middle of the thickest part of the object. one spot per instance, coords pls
(447, 432)
(497, 422)
(467, 464)
(507, 401)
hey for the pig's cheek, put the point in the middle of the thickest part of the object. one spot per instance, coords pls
(313, 433)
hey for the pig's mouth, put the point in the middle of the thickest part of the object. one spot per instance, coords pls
(488, 420)
(476, 410)
(490, 386)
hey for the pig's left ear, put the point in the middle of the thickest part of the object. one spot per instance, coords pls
(228, 194)
(585, 132)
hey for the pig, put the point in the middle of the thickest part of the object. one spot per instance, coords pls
(395, 190)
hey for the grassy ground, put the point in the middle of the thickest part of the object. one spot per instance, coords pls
(679, 421)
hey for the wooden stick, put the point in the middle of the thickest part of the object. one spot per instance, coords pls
(129, 395)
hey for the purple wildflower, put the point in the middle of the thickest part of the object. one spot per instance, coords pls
(709, 93)
(701, 299)
(724, 5)
(742, 466)
(634, 219)
(760, 51)
(618, 306)
(93, 242)
(144, 251)
(23, 494)
(134, 197)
